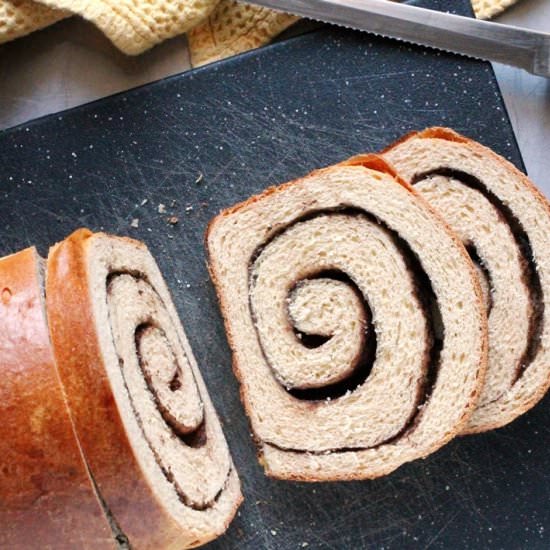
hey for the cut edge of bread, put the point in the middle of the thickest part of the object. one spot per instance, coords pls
(370, 162)
(172, 532)
(448, 134)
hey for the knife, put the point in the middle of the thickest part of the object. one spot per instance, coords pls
(527, 49)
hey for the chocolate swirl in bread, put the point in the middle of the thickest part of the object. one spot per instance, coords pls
(505, 224)
(333, 345)
(355, 320)
(140, 409)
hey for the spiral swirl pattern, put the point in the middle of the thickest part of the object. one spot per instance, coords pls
(160, 445)
(505, 224)
(344, 322)
(163, 392)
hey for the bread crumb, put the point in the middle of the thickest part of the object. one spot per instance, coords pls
(161, 208)
(173, 220)
(134, 223)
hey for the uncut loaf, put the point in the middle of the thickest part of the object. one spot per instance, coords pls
(144, 423)
(355, 319)
(504, 222)
(46, 493)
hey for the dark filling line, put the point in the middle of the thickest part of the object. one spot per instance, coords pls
(363, 362)
(428, 302)
(530, 276)
(478, 261)
(197, 437)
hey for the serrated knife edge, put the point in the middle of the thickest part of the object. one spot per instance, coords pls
(527, 49)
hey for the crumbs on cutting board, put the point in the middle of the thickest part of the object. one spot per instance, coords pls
(166, 209)
(169, 209)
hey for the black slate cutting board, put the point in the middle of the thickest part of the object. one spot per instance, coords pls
(206, 139)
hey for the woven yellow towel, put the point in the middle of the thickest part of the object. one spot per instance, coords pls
(233, 28)
(136, 25)
(132, 25)
(21, 17)
(485, 9)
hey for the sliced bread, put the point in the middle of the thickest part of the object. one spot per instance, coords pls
(355, 319)
(140, 409)
(504, 222)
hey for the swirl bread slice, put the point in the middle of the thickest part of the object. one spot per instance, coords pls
(141, 411)
(355, 320)
(46, 494)
(504, 221)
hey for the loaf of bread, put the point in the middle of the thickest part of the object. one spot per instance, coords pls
(47, 498)
(108, 435)
(355, 319)
(504, 222)
(140, 409)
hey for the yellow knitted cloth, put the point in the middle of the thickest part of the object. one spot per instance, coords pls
(219, 27)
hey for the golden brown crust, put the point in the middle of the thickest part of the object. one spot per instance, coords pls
(375, 162)
(451, 135)
(371, 162)
(437, 132)
(97, 419)
(46, 493)
(448, 134)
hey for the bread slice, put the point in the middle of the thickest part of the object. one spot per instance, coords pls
(355, 319)
(47, 497)
(504, 221)
(141, 411)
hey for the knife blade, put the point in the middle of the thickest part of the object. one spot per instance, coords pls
(527, 49)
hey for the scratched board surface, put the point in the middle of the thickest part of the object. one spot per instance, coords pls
(201, 141)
